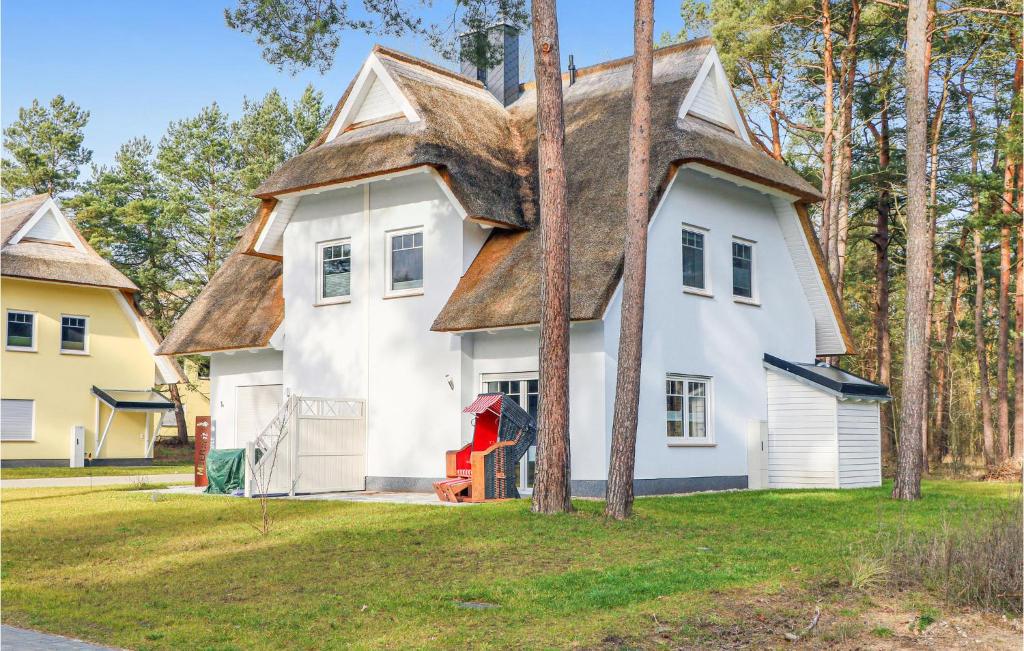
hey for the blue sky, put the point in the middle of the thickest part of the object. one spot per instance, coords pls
(136, 66)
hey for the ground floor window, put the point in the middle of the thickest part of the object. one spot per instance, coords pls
(16, 420)
(688, 408)
(524, 388)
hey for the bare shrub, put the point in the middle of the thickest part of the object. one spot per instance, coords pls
(974, 559)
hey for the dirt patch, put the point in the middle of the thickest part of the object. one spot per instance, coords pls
(846, 620)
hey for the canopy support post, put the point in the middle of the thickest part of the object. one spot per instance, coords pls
(106, 429)
(151, 435)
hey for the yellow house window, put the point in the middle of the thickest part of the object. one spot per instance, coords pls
(74, 335)
(21, 330)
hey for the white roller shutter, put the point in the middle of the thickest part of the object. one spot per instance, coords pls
(16, 418)
(255, 407)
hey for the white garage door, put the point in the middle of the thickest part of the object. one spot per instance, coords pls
(255, 406)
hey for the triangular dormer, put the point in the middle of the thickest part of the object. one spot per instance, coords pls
(48, 224)
(375, 97)
(710, 98)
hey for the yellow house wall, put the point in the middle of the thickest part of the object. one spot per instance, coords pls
(61, 383)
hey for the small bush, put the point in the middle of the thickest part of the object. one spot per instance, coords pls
(975, 559)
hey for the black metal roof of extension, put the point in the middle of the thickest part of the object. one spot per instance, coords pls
(832, 378)
(133, 399)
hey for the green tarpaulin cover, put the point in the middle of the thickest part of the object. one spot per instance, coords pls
(225, 471)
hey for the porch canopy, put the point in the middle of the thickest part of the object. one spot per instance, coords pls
(130, 400)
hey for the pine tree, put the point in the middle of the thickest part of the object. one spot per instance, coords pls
(46, 150)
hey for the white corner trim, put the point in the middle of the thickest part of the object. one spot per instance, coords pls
(277, 339)
(50, 206)
(168, 373)
(371, 69)
(712, 65)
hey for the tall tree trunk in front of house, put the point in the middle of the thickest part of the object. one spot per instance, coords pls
(179, 414)
(551, 492)
(827, 145)
(848, 86)
(1003, 338)
(619, 498)
(1018, 348)
(988, 438)
(943, 394)
(883, 339)
(907, 484)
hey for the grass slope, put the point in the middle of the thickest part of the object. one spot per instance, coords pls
(143, 571)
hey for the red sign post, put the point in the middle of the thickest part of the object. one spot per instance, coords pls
(202, 448)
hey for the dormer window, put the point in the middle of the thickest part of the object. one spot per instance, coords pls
(405, 262)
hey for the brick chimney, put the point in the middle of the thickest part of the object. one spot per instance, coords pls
(502, 80)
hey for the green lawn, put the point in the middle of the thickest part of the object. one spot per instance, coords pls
(94, 471)
(149, 571)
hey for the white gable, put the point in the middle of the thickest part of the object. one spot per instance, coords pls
(47, 228)
(374, 95)
(710, 97)
(377, 104)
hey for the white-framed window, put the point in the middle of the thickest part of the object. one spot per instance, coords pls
(744, 287)
(74, 334)
(21, 331)
(524, 388)
(688, 409)
(404, 262)
(17, 420)
(695, 260)
(334, 271)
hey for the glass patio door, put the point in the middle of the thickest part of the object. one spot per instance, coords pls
(523, 388)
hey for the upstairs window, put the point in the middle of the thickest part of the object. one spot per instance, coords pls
(334, 282)
(743, 270)
(21, 330)
(74, 331)
(405, 262)
(688, 409)
(694, 261)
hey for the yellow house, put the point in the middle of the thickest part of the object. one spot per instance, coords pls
(78, 365)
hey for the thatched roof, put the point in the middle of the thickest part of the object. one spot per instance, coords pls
(241, 306)
(463, 130)
(487, 153)
(61, 262)
(502, 286)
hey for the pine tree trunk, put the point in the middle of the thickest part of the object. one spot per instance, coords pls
(619, 502)
(1003, 338)
(943, 395)
(829, 135)
(912, 413)
(179, 414)
(1018, 349)
(988, 440)
(551, 492)
(883, 340)
(849, 72)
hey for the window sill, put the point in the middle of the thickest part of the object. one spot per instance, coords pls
(18, 349)
(691, 444)
(404, 293)
(746, 301)
(79, 353)
(698, 292)
(333, 301)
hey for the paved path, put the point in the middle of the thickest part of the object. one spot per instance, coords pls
(428, 499)
(19, 639)
(65, 482)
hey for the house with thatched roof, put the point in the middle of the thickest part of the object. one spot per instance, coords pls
(396, 262)
(79, 361)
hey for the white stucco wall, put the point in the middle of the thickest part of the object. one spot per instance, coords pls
(376, 348)
(712, 336)
(229, 371)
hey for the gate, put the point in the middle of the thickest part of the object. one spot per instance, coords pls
(313, 445)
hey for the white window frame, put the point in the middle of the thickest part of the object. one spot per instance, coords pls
(520, 376)
(754, 298)
(332, 300)
(709, 422)
(706, 232)
(32, 426)
(412, 291)
(65, 351)
(35, 332)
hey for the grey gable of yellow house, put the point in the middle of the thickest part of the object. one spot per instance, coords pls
(486, 154)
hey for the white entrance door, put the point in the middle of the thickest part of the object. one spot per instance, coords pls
(255, 406)
(524, 389)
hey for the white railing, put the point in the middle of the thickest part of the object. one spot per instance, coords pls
(276, 470)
